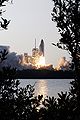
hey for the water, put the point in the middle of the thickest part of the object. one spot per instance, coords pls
(47, 87)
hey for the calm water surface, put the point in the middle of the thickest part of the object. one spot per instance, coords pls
(47, 87)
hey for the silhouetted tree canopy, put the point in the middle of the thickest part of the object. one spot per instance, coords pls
(66, 14)
(4, 22)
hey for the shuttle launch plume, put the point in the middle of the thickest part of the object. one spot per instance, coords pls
(63, 64)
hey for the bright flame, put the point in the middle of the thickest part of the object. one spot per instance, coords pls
(41, 62)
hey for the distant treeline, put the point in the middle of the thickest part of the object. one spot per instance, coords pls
(44, 74)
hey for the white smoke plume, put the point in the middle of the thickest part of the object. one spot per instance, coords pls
(63, 64)
(13, 60)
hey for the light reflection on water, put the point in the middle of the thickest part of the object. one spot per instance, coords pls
(41, 88)
(47, 87)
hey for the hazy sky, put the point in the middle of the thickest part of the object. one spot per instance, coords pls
(31, 19)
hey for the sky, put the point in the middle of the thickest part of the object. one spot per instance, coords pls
(31, 19)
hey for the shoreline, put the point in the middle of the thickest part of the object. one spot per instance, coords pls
(44, 74)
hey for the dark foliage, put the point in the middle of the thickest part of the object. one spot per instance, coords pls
(66, 13)
(49, 112)
(3, 55)
(17, 103)
(4, 22)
